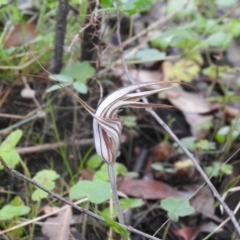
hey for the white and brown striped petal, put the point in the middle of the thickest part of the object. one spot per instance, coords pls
(107, 125)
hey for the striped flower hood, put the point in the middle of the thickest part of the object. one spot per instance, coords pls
(107, 124)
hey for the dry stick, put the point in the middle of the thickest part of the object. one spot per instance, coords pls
(174, 137)
(82, 210)
(51, 146)
(61, 24)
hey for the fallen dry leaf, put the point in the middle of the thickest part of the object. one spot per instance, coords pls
(187, 102)
(149, 189)
(203, 201)
(210, 227)
(20, 34)
(58, 228)
(48, 209)
(200, 124)
(162, 151)
(231, 112)
(87, 174)
(140, 76)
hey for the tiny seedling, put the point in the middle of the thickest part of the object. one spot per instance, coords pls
(217, 169)
(75, 75)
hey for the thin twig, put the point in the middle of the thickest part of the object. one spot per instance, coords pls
(174, 137)
(51, 146)
(222, 224)
(82, 210)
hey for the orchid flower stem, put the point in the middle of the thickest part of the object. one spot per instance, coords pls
(112, 178)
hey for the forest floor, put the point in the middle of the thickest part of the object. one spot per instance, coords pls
(51, 55)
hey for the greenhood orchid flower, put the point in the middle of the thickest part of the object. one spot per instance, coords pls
(107, 124)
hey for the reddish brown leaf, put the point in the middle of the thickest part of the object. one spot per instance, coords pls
(20, 34)
(203, 202)
(161, 151)
(231, 112)
(149, 189)
(87, 174)
(186, 233)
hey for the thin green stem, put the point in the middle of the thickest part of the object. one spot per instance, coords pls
(63, 153)
(112, 178)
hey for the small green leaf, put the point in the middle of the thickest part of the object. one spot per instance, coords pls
(9, 211)
(94, 162)
(133, 6)
(217, 169)
(80, 87)
(219, 39)
(12, 140)
(106, 3)
(130, 121)
(102, 173)
(225, 4)
(114, 225)
(215, 71)
(189, 143)
(46, 179)
(222, 133)
(120, 169)
(186, 70)
(204, 144)
(125, 204)
(79, 71)
(56, 87)
(17, 201)
(61, 78)
(177, 208)
(7, 151)
(157, 167)
(189, 8)
(11, 157)
(96, 191)
(131, 203)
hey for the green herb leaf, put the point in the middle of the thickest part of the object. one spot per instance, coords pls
(94, 162)
(7, 149)
(46, 179)
(9, 211)
(80, 87)
(79, 71)
(177, 208)
(96, 191)
(145, 55)
(114, 225)
(130, 121)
